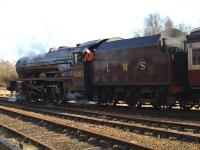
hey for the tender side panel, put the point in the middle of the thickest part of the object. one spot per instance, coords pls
(132, 66)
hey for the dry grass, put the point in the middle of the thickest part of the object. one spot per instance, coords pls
(7, 73)
(4, 93)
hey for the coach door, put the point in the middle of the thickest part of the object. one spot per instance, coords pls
(194, 63)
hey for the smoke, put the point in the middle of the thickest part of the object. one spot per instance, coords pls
(40, 44)
(34, 49)
(31, 48)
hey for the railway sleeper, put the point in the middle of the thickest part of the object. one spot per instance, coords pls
(149, 133)
(154, 124)
(196, 130)
(83, 137)
(180, 128)
(176, 128)
(103, 143)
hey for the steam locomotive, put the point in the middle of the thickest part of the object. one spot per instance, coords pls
(161, 70)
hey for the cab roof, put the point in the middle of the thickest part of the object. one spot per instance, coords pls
(130, 43)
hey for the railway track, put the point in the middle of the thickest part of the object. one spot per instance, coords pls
(156, 128)
(26, 137)
(147, 111)
(96, 137)
(175, 113)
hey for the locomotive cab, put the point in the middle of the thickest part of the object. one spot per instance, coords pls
(78, 69)
(83, 58)
(83, 71)
(78, 58)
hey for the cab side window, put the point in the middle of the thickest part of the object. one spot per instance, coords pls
(196, 56)
(78, 58)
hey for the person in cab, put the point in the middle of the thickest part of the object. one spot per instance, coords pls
(89, 56)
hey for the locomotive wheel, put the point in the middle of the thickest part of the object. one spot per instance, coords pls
(32, 97)
(47, 96)
(132, 100)
(162, 107)
(110, 98)
(196, 106)
(161, 102)
(57, 94)
(138, 104)
(185, 101)
(28, 96)
(100, 97)
(52, 95)
(186, 106)
(61, 98)
(106, 97)
(111, 103)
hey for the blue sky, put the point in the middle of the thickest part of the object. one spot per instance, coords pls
(29, 27)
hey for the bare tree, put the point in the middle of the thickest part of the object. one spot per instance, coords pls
(183, 27)
(153, 24)
(168, 23)
(8, 72)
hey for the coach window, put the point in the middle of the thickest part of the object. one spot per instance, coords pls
(196, 56)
